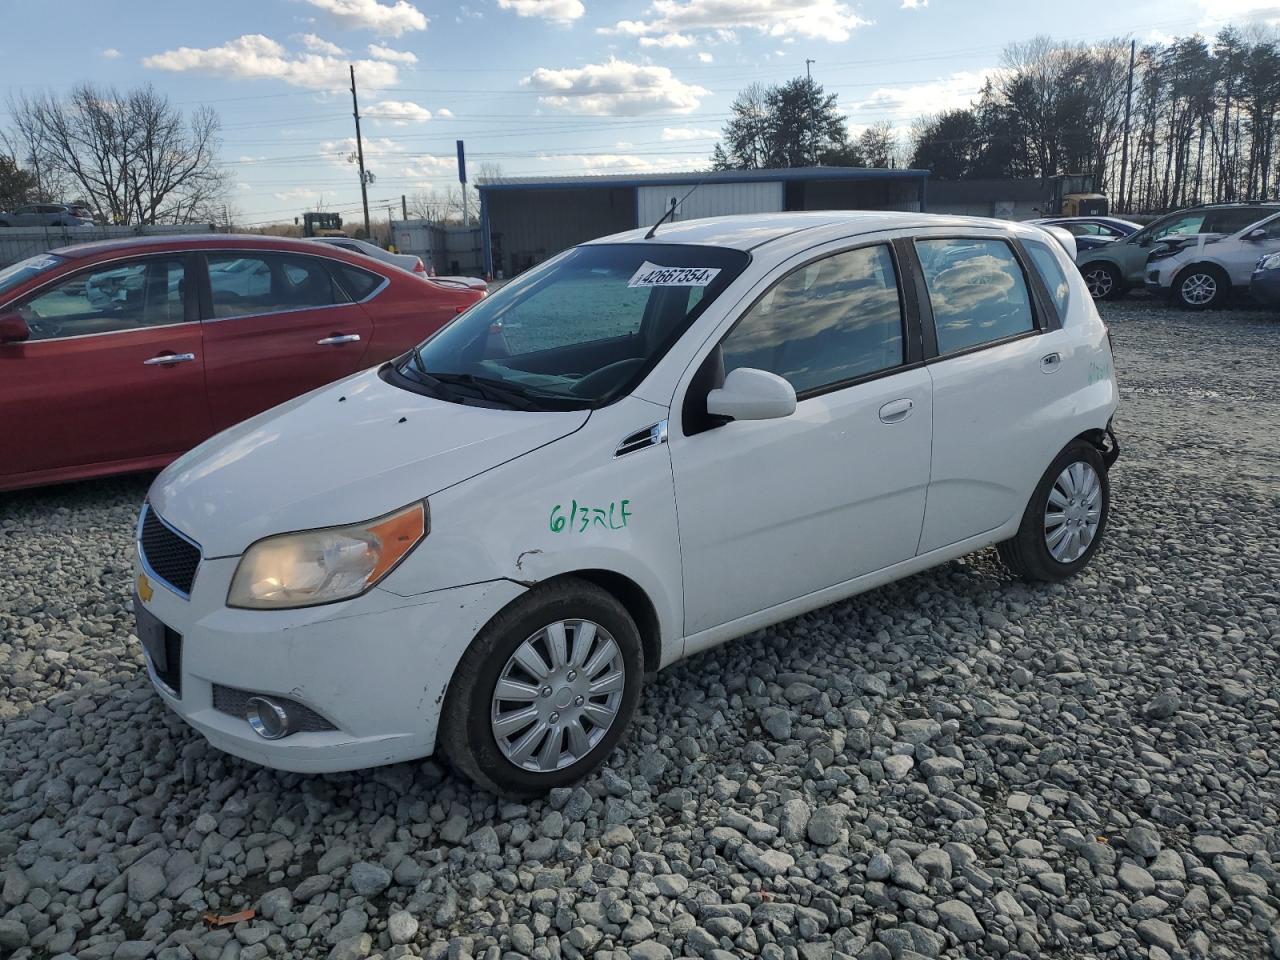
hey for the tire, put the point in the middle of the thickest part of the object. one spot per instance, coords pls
(1201, 287)
(588, 614)
(1036, 552)
(1103, 280)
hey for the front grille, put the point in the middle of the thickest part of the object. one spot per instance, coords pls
(171, 675)
(170, 556)
(302, 719)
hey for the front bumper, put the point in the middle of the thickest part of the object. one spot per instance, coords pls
(375, 667)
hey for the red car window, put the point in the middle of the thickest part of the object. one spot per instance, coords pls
(118, 296)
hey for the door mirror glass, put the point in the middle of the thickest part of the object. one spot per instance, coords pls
(13, 329)
(750, 394)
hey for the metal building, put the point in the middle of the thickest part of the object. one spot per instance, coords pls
(524, 220)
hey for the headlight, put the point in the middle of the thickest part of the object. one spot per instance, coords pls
(1270, 263)
(321, 566)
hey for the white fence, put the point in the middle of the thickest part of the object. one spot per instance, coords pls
(18, 243)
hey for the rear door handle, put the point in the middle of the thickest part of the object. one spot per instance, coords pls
(895, 411)
(1050, 362)
(338, 338)
(165, 359)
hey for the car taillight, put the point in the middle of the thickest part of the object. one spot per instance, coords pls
(418, 267)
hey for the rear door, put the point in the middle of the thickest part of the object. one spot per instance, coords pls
(275, 326)
(113, 371)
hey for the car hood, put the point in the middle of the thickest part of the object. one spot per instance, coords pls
(348, 452)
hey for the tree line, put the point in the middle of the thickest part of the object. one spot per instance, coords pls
(1203, 122)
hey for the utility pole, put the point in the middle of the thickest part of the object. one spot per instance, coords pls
(813, 134)
(404, 208)
(1124, 147)
(364, 182)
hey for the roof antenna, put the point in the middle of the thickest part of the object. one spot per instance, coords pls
(675, 203)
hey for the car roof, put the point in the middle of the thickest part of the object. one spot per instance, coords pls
(750, 230)
(183, 241)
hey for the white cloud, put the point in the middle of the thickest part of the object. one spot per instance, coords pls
(384, 19)
(379, 52)
(601, 163)
(562, 10)
(705, 57)
(111, 53)
(339, 152)
(668, 40)
(616, 88)
(429, 167)
(914, 4)
(297, 193)
(688, 133)
(901, 104)
(1236, 11)
(830, 20)
(444, 113)
(398, 113)
(255, 57)
(321, 45)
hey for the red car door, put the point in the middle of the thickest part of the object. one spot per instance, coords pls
(111, 377)
(275, 326)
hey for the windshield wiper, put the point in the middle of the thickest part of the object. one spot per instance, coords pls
(490, 389)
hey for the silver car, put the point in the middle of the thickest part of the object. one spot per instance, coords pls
(48, 215)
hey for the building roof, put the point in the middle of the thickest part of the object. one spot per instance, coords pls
(749, 230)
(706, 176)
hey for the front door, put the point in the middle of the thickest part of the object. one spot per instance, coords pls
(773, 510)
(277, 326)
(112, 373)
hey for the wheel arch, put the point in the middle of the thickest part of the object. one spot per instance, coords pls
(637, 603)
(1103, 439)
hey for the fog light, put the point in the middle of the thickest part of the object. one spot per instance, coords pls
(268, 719)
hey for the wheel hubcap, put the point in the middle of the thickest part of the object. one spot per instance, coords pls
(558, 695)
(1073, 513)
(1098, 282)
(1199, 288)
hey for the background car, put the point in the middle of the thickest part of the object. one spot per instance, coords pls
(1114, 268)
(1264, 285)
(405, 261)
(120, 355)
(1203, 274)
(1092, 232)
(48, 215)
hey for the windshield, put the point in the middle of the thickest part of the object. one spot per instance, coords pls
(24, 270)
(578, 331)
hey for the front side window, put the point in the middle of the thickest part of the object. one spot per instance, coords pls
(1051, 272)
(977, 292)
(832, 320)
(577, 330)
(1180, 225)
(244, 284)
(122, 296)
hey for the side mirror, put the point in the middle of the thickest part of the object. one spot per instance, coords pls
(1253, 236)
(13, 329)
(750, 394)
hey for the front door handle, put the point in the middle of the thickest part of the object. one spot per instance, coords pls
(338, 338)
(1050, 362)
(164, 359)
(895, 411)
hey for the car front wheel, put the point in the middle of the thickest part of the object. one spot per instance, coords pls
(1066, 518)
(1103, 280)
(545, 691)
(1200, 288)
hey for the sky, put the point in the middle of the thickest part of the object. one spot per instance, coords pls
(537, 87)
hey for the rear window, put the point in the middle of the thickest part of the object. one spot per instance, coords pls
(358, 283)
(22, 271)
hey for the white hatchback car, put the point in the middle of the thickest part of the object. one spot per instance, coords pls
(642, 448)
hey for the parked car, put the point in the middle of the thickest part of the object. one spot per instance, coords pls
(1112, 270)
(48, 215)
(1092, 232)
(1205, 273)
(405, 261)
(1264, 285)
(633, 452)
(121, 355)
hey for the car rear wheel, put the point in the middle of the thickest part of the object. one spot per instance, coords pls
(1103, 280)
(545, 691)
(1201, 288)
(1066, 518)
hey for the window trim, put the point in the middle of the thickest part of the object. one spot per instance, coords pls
(911, 346)
(190, 312)
(206, 285)
(1039, 315)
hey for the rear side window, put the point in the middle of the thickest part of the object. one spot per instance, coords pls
(1051, 272)
(832, 320)
(358, 283)
(977, 292)
(1231, 221)
(251, 283)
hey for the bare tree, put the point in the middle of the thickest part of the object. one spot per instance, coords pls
(134, 157)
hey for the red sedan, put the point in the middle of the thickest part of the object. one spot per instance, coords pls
(122, 355)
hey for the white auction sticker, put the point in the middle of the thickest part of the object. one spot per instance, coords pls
(653, 275)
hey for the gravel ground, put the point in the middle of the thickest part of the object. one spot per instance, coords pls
(956, 765)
